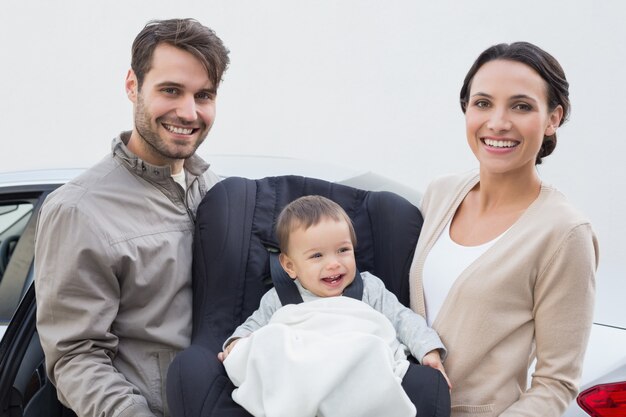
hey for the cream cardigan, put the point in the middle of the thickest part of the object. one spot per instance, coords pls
(531, 294)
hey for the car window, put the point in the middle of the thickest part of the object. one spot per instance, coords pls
(17, 237)
(13, 216)
(13, 220)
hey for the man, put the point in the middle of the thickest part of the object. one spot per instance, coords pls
(113, 251)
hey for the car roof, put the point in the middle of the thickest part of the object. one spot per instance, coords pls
(37, 177)
(249, 166)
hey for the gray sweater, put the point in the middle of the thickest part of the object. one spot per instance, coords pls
(411, 328)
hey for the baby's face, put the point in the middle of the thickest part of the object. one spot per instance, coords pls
(321, 257)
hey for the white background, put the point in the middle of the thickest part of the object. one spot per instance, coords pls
(372, 85)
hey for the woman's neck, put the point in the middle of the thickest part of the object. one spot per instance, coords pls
(492, 206)
(507, 191)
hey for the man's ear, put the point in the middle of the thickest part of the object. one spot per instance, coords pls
(131, 85)
(287, 265)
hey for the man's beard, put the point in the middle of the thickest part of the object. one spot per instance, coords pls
(151, 137)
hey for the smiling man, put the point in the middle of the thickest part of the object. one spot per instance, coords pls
(113, 248)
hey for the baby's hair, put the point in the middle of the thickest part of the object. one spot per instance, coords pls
(308, 211)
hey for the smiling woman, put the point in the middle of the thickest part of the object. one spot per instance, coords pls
(507, 116)
(503, 262)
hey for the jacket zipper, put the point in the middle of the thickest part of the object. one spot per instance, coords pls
(186, 204)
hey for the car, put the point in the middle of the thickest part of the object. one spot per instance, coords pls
(24, 387)
(603, 382)
(21, 196)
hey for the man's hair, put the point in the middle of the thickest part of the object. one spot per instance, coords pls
(308, 211)
(186, 34)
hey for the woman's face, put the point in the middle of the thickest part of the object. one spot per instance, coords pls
(507, 117)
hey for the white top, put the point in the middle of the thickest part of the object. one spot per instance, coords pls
(180, 179)
(443, 265)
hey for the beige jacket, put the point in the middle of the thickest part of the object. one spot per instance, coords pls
(113, 282)
(531, 294)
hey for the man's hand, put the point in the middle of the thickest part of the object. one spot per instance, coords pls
(433, 359)
(222, 355)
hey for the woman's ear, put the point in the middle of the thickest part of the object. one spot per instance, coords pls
(554, 121)
(287, 265)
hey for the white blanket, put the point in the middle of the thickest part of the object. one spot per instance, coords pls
(330, 357)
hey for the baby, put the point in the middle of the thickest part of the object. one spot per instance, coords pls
(317, 241)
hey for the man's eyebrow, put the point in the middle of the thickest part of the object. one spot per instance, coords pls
(209, 90)
(182, 86)
(169, 84)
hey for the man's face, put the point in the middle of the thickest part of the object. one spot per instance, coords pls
(174, 108)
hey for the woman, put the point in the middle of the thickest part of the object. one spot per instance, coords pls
(504, 267)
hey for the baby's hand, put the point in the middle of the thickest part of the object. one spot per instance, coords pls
(433, 359)
(222, 355)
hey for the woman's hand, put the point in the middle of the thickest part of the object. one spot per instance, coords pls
(433, 359)
(222, 355)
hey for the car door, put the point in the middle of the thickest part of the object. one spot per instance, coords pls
(24, 388)
(18, 207)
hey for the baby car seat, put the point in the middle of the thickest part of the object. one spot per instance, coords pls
(231, 270)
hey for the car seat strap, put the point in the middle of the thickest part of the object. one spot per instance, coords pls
(355, 289)
(285, 287)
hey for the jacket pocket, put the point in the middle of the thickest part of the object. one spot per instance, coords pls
(466, 410)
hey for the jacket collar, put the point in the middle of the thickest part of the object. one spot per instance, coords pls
(194, 165)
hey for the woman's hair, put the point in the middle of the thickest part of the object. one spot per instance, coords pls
(543, 63)
(308, 211)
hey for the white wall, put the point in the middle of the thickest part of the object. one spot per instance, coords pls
(369, 84)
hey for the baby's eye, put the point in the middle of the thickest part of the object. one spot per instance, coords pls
(345, 249)
(315, 255)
